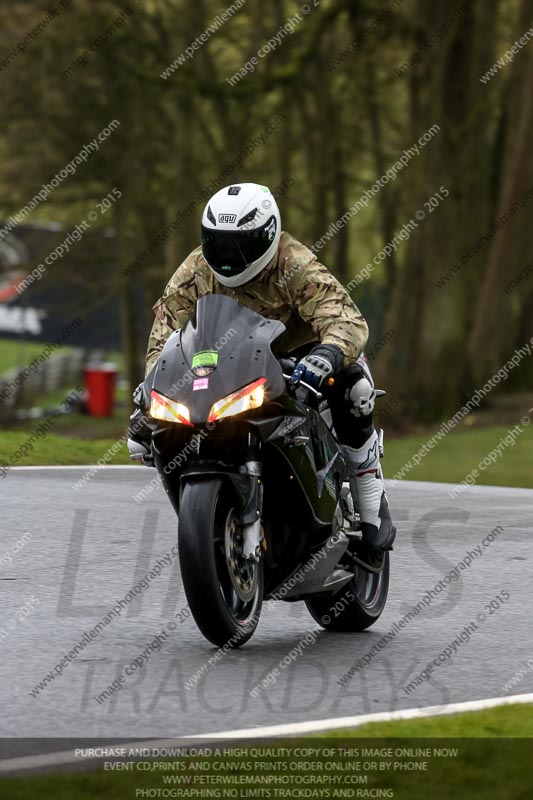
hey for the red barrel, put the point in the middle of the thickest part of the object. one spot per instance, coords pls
(100, 382)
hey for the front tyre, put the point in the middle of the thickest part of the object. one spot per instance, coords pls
(224, 592)
(357, 606)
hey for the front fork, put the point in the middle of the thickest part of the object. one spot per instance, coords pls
(248, 484)
(251, 513)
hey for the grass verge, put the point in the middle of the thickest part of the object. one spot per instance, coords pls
(18, 354)
(458, 453)
(466, 756)
(450, 461)
(53, 450)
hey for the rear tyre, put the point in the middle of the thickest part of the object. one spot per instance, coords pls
(224, 592)
(357, 606)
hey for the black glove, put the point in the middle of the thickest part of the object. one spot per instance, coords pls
(322, 362)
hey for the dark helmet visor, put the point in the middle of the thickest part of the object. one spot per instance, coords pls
(231, 252)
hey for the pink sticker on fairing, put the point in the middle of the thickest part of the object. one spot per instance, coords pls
(200, 383)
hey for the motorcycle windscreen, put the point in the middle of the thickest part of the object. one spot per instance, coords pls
(222, 349)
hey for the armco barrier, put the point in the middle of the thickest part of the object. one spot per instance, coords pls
(20, 386)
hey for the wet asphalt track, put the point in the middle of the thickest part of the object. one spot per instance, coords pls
(88, 548)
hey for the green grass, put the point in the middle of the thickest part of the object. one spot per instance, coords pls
(459, 452)
(56, 450)
(15, 353)
(83, 440)
(502, 722)
(488, 766)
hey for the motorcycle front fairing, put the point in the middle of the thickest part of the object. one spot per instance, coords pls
(222, 349)
(311, 453)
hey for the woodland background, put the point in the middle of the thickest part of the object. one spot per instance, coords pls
(355, 84)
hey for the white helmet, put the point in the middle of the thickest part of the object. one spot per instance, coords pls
(241, 229)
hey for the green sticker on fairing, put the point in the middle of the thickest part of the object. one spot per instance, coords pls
(205, 358)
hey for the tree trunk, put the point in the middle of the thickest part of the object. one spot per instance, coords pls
(425, 366)
(128, 315)
(490, 340)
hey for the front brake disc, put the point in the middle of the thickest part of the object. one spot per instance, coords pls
(242, 573)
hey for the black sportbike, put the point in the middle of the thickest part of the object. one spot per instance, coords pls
(251, 464)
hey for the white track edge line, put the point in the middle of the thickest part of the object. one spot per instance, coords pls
(396, 483)
(363, 719)
(67, 756)
(75, 466)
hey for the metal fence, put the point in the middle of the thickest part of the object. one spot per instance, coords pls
(20, 386)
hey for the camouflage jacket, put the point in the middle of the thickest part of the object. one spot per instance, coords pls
(294, 288)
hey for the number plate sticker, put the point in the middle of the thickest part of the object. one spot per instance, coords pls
(200, 383)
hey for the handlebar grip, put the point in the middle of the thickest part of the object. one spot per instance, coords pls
(288, 364)
(305, 385)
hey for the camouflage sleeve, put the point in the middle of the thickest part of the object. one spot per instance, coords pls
(173, 309)
(323, 302)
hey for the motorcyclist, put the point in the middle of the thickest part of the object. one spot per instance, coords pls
(244, 254)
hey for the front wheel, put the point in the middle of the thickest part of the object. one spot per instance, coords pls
(357, 606)
(224, 591)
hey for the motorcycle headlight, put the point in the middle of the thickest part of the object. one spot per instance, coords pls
(249, 397)
(168, 410)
